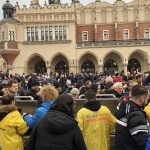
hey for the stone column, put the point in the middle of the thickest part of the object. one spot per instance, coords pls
(73, 66)
(100, 69)
(48, 70)
(125, 68)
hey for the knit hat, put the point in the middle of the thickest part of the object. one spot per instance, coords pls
(35, 83)
(56, 84)
(75, 91)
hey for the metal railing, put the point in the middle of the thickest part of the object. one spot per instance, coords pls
(26, 98)
(100, 96)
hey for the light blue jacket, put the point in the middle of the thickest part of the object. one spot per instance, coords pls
(32, 120)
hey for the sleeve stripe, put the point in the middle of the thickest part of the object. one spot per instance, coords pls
(136, 132)
(121, 123)
(140, 127)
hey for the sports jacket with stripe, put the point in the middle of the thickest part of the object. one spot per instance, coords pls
(132, 127)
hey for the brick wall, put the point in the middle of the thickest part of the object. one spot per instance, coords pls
(130, 27)
(112, 34)
(109, 27)
(89, 28)
(143, 26)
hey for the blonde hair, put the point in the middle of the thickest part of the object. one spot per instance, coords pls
(48, 92)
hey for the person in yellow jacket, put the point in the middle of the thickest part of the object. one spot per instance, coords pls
(12, 125)
(96, 123)
(147, 110)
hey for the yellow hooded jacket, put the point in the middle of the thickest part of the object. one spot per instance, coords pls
(12, 126)
(96, 127)
(147, 110)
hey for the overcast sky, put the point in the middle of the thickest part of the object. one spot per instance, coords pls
(27, 2)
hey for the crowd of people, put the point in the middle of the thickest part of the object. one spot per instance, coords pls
(55, 126)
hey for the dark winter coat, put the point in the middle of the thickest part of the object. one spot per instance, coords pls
(132, 127)
(56, 131)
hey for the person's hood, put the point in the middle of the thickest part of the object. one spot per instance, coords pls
(56, 122)
(5, 109)
(93, 105)
(124, 108)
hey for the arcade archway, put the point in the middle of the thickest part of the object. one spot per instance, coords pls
(134, 65)
(138, 61)
(88, 63)
(60, 64)
(61, 67)
(113, 63)
(87, 67)
(36, 64)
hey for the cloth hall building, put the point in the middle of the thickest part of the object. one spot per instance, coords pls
(75, 38)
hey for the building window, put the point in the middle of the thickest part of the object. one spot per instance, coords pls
(47, 33)
(64, 33)
(147, 33)
(36, 34)
(32, 34)
(60, 33)
(11, 36)
(85, 36)
(56, 32)
(50, 33)
(126, 34)
(105, 35)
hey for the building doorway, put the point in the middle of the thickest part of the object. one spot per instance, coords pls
(134, 65)
(61, 67)
(110, 66)
(88, 67)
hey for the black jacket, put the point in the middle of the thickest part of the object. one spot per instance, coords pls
(33, 93)
(56, 131)
(132, 127)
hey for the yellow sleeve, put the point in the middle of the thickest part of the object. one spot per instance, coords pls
(147, 110)
(20, 124)
(80, 120)
(112, 122)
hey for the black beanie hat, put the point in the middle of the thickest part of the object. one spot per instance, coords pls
(35, 83)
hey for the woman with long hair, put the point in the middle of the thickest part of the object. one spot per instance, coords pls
(58, 130)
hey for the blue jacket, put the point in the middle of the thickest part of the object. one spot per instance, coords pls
(32, 120)
(148, 144)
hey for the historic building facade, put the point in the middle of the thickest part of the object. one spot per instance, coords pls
(76, 38)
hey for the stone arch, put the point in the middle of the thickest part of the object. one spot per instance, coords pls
(36, 63)
(58, 54)
(114, 52)
(88, 63)
(113, 61)
(141, 57)
(90, 53)
(59, 63)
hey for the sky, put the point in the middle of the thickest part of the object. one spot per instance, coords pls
(27, 2)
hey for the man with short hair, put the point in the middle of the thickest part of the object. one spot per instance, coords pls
(96, 122)
(35, 87)
(132, 127)
(14, 88)
(139, 79)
